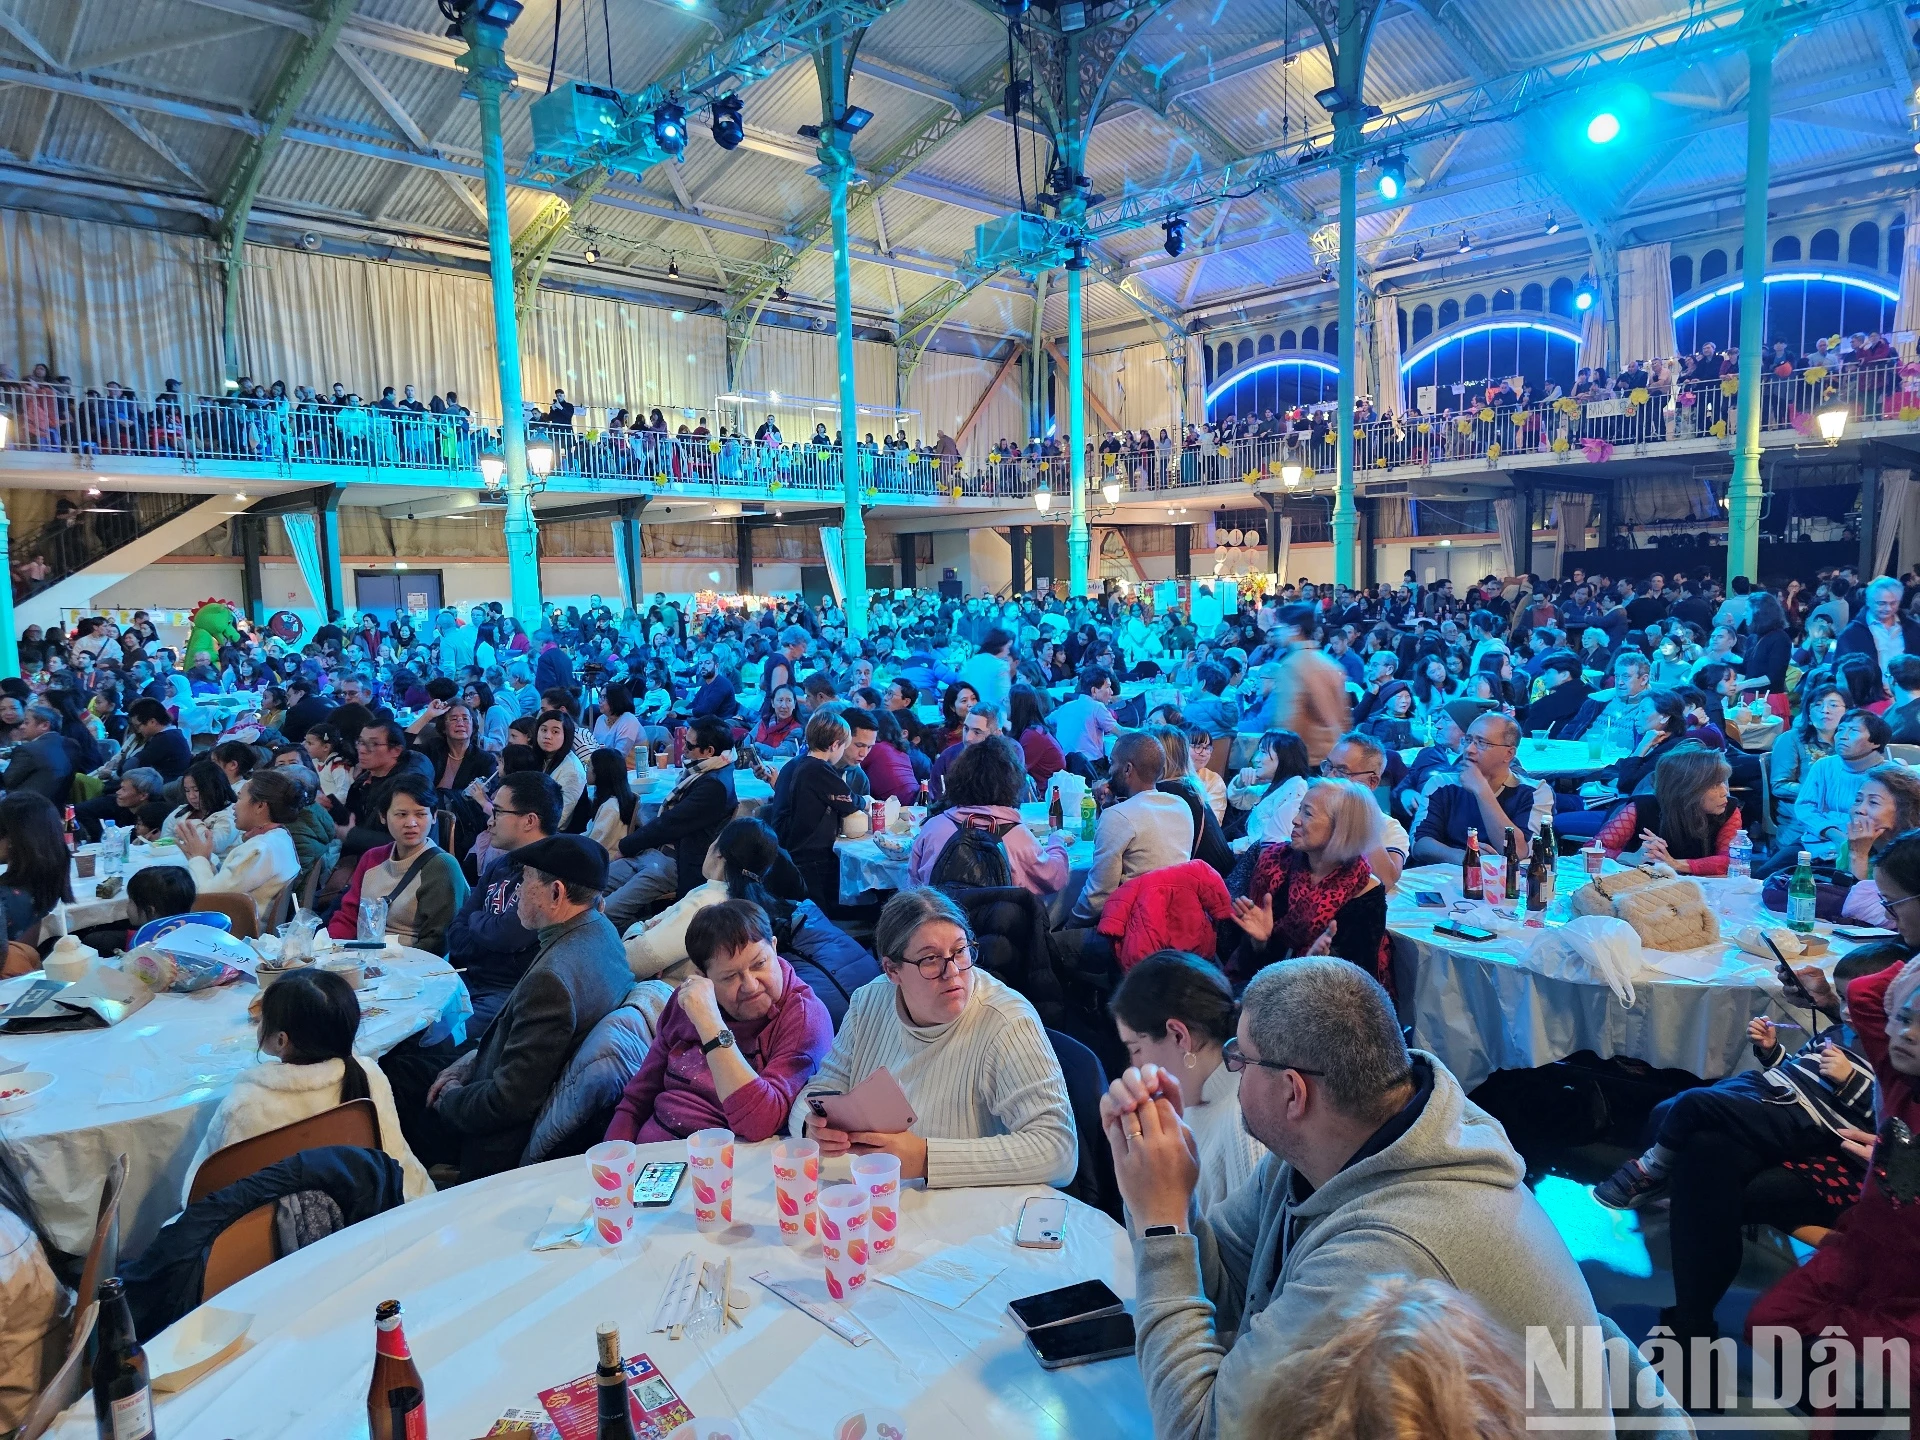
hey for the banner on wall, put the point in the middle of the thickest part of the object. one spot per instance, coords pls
(1428, 399)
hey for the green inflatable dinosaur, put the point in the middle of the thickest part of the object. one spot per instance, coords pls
(212, 627)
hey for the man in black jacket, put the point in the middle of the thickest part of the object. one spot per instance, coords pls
(662, 859)
(305, 709)
(1561, 674)
(486, 940)
(39, 763)
(1880, 631)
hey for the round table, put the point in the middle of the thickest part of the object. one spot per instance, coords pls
(655, 785)
(868, 873)
(149, 1087)
(492, 1322)
(88, 909)
(1545, 759)
(1480, 1008)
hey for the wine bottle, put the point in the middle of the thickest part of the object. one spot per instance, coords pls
(610, 1380)
(1056, 814)
(1470, 868)
(122, 1396)
(396, 1398)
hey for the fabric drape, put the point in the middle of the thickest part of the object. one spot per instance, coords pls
(1896, 490)
(1196, 382)
(620, 562)
(1593, 339)
(303, 539)
(1574, 511)
(1646, 305)
(1284, 526)
(1906, 312)
(1388, 392)
(1516, 551)
(836, 562)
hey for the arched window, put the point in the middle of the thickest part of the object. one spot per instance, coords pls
(1787, 247)
(1713, 264)
(1680, 273)
(1310, 338)
(1824, 246)
(1476, 305)
(1403, 328)
(1206, 362)
(1560, 297)
(1449, 313)
(1422, 321)
(1265, 347)
(1740, 257)
(1897, 246)
(1225, 362)
(1330, 339)
(1863, 245)
(1532, 297)
(1503, 299)
(1288, 340)
(1245, 352)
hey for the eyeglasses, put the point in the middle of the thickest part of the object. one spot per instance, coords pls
(1347, 772)
(1235, 1061)
(1478, 742)
(961, 960)
(503, 810)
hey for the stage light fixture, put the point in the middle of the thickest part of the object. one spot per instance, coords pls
(670, 128)
(728, 129)
(1585, 294)
(1176, 228)
(1077, 254)
(1553, 225)
(673, 268)
(1419, 252)
(1393, 177)
(591, 256)
(853, 119)
(1466, 243)
(1603, 128)
(779, 292)
(1326, 273)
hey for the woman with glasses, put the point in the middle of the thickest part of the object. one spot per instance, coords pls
(970, 1053)
(1177, 1011)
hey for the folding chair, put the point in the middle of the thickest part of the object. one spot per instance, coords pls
(354, 1123)
(237, 907)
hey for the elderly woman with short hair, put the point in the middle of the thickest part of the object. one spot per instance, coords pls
(970, 1053)
(1316, 894)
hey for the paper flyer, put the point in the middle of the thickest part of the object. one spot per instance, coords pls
(657, 1409)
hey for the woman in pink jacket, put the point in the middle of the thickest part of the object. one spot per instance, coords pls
(984, 782)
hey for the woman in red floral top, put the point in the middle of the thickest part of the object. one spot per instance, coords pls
(1689, 820)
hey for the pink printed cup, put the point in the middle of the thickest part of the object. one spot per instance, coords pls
(710, 1165)
(796, 1185)
(880, 1174)
(845, 1211)
(610, 1170)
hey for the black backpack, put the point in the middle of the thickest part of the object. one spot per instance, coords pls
(974, 857)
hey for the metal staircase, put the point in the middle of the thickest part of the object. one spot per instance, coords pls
(70, 544)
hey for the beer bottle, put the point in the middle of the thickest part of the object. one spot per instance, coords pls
(1470, 868)
(72, 828)
(1056, 814)
(1511, 855)
(396, 1400)
(122, 1398)
(610, 1378)
(1540, 870)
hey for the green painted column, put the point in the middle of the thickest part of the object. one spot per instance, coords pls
(489, 75)
(1079, 542)
(1343, 510)
(9, 636)
(853, 524)
(1743, 491)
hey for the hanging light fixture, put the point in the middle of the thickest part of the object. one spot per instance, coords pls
(673, 268)
(727, 128)
(592, 256)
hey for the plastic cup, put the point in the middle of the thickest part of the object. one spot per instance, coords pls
(610, 1170)
(881, 1175)
(796, 1185)
(710, 1161)
(845, 1211)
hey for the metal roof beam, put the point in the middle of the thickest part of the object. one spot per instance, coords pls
(153, 142)
(417, 137)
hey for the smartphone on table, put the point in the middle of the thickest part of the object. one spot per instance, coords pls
(1080, 1342)
(657, 1181)
(1460, 930)
(1042, 1224)
(1088, 1300)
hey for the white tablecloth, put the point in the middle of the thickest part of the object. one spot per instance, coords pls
(1480, 1009)
(150, 1085)
(655, 785)
(867, 873)
(492, 1322)
(1553, 759)
(88, 910)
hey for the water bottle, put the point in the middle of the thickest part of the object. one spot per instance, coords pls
(373, 920)
(112, 851)
(1740, 857)
(1800, 896)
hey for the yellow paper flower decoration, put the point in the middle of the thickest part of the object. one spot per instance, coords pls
(956, 492)
(1816, 373)
(593, 437)
(1226, 452)
(994, 456)
(1729, 384)
(1107, 459)
(1274, 467)
(1380, 464)
(1306, 473)
(1493, 452)
(1560, 446)
(1567, 405)
(1909, 413)
(1252, 477)
(1463, 425)
(1719, 430)
(660, 478)
(713, 447)
(1638, 396)
(1424, 428)
(1486, 414)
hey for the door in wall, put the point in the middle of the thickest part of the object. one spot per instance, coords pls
(387, 594)
(814, 584)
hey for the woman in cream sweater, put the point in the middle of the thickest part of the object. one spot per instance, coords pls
(262, 862)
(308, 1020)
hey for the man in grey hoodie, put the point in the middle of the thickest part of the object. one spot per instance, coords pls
(1379, 1166)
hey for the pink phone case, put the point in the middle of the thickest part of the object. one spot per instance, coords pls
(877, 1105)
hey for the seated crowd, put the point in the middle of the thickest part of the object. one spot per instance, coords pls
(648, 960)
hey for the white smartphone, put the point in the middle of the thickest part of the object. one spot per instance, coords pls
(1043, 1223)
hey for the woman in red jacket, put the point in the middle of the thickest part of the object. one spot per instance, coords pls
(1027, 723)
(778, 732)
(889, 768)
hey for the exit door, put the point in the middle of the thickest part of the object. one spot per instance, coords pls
(389, 594)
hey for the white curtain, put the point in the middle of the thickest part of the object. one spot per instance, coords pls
(1387, 391)
(620, 560)
(1646, 305)
(1593, 339)
(1284, 527)
(1895, 487)
(1516, 543)
(303, 539)
(1906, 313)
(1574, 512)
(1196, 382)
(836, 562)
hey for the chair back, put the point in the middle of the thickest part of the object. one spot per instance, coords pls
(1093, 1181)
(103, 1251)
(316, 873)
(20, 957)
(154, 929)
(237, 907)
(1905, 754)
(447, 824)
(69, 1382)
(354, 1123)
(281, 910)
(237, 1251)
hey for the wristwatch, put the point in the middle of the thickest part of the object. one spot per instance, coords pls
(724, 1040)
(1153, 1230)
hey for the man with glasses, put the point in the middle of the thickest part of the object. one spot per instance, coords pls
(1363, 760)
(1380, 1165)
(486, 939)
(383, 754)
(1488, 797)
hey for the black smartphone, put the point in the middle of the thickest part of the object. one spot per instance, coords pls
(1085, 1301)
(657, 1181)
(1432, 899)
(1461, 931)
(362, 944)
(1080, 1342)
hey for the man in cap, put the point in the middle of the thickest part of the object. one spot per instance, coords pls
(479, 1110)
